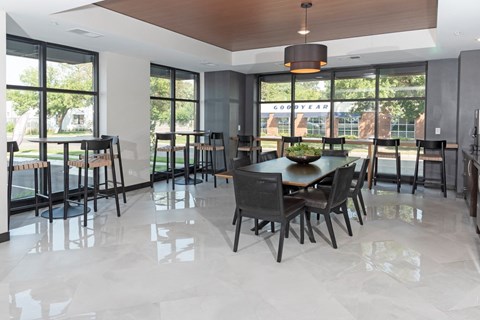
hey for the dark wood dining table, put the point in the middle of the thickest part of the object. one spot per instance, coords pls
(67, 210)
(301, 175)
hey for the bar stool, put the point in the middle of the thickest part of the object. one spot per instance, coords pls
(97, 154)
(198, 155)
(246, 143)
(332, 142)
(169, 148)
(34, 165)
(386, 155)
(216, 143)
(117, 155)
(291, 141)
(436, 153)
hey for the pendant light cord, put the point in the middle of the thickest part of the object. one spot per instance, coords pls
(306, 25)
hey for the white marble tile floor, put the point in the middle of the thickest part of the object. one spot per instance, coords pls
(169, 257)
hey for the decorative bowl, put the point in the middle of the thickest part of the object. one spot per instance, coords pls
(303, 159)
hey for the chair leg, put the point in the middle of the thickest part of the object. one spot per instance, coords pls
(444, 178)
(195, 164)
(287, 229)
(237, 231)
(362, 203)
(357, 209)
(95, 188)
(185, 163)
(9, 194)
(115, 189)
(35, 174)
(122, 178)
(280, 241)
(309, 227)
(85, 197)
(347, 219)
(375, 171)
(214, 163)
(172, 167)
(415, 177)
(399, 174)
(328, 222)
(256, 227)
(272, 227)
(152, 178)
(234, 216)
(49, 193)
(302, 228)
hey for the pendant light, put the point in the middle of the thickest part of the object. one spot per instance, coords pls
(305, 58)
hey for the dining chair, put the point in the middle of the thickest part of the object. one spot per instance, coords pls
(260, 196)
(118, 156)
(216, 143)
(35, 165)
(97, 154)
(431, 151)
(332, 142)
(289, 140)
(247, 144)
(267, 155)
(326, 200)
(165, 142)
(387, 154)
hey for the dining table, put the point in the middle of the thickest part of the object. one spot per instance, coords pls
(187, 134)
(300, 175)
(67, 210)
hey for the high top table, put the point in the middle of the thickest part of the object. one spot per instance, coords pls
(194, 133)
(67, 210)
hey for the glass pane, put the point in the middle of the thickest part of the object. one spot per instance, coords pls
(160, 82)
(354, 119)
(23, 63)
(404, 119)
(276, 88)
(273, 119)
(312, 119)
(185, 85)
(22, 124)
(185, 116)
(160, 116)
(355, 84)
(402, 82)
(312, 87)
(69, 70)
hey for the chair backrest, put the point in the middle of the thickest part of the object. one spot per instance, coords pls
(362, 174)
(12, 146)
(216, 139)
(165, 136)
(245, 140)
(240, 162)
(259, 195)
(385, 143)
(335, 153)
(291, 141)
(267, 155)
(332, 142)
(96, 145)
(115, 141)
(341, 186)
(432, 144)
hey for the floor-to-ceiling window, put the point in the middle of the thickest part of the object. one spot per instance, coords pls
(356, 103)
(51, 91)
(174, 99)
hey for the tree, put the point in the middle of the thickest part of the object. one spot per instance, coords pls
(72, 77)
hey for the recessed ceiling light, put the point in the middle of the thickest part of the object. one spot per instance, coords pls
(478, 39)
(303, 32)
(458, 33)
(86, 33)
(209, 64)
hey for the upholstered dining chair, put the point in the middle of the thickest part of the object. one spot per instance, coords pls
(289, 140)
(331, 151)
(247, 144)
(326, 200)
(260, 196)
(267, 155)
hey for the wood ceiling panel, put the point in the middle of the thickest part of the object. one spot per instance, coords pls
(252, 24)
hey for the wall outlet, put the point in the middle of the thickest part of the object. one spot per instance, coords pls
(437, 130)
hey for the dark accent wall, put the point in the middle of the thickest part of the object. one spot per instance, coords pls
(468, 101)
(441, 112)
(224, 103)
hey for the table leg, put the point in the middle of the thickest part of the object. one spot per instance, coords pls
(370, 167)
(187, 179)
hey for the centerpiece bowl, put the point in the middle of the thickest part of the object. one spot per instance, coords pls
(303, 159)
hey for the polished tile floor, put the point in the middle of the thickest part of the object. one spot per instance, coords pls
(170, 257)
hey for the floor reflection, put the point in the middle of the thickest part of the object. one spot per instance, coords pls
(170, 200)
(25, 304)
(392, 258)
(179, 247)
(404, 213)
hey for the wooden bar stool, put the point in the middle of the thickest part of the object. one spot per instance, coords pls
(169, 148)
(246, 143)
(216, 143)
(34, 165)
(433, 151)
(97, 154)
(117, 155)
(386, 155)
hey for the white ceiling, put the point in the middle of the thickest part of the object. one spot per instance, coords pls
(458, 26)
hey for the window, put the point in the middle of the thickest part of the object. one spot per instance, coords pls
(403, 128)
(283, 126)
(60, 103)
(348, 126)
(316, 127)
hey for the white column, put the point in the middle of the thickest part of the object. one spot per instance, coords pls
(125, 111)
(3, 125)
